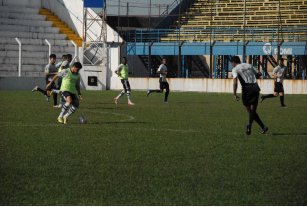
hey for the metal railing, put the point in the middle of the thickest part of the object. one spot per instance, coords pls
(49, 52)
(19, 56)
(231, 34)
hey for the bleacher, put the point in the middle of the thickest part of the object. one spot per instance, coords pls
(262, 20)
(31, 28)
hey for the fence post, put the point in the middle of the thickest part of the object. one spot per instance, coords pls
(76, 50)
(49, 45)
(19, 57)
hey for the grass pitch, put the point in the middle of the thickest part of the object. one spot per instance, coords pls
(192, 151)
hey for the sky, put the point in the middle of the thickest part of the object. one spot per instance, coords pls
(138, 7)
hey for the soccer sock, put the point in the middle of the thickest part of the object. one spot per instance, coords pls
(251, 117)
(63, 101)
(55, 99)
(55, 91)
(128, 96)
(166, 96)
(42, 91)
(64, 109)
(282, 100)
(268, 96)
(70, 111)
(258, 120)
(120, 95)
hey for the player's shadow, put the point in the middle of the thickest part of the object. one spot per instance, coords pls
(116, 122)
(290, 134)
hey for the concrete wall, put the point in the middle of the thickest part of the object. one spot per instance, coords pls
(176, 84)
(71, 12)
(208, 85)
(23, 3)
(21, 83)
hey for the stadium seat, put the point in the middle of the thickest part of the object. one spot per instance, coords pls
(229, 14)
(32, 28)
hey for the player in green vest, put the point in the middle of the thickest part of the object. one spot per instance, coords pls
(70, 89)
(122, 72)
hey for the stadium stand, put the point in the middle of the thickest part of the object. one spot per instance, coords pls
(261, 17)
(32, 26)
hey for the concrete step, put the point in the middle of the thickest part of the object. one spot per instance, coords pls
(13, 28)
(24, 68)
(23, 74)
(33, 35)
(25, 22)
(15, 15)
(37, 48)
(28, 54)
(18, 9)
(24, 61)
(31, 41)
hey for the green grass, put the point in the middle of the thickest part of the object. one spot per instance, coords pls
(192, 151)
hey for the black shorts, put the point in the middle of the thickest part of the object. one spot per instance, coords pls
(278, 87)
(126, 85)
(163, 85)
(74, 98)
(250, 94)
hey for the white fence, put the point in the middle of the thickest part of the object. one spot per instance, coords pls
(209, 85)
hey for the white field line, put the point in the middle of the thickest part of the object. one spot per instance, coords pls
(129, 117)
(90, 126)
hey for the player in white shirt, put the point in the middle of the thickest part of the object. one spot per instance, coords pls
(278, 74)
(162, 80)
(247, 76)
(50, 72)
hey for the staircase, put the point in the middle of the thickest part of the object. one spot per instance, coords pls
(32, 28)
(155, 63)
(63, 28)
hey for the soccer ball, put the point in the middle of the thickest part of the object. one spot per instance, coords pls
(82, 120)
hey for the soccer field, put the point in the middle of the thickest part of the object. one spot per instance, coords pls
(192, 151)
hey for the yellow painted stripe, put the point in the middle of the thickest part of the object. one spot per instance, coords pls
(63, 28)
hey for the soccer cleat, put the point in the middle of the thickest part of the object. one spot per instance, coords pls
(65, 121)
(264, 130)
(148, 93)
(59, 106)
(35, 89)
(115, 101)
(248, 130)
(283, 106)
(262, 99)
(131, 103)
(166, 102)
(60, 120)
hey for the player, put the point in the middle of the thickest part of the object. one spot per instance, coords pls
(66, 63)
(70, 89)
(122, 72)
(278, 74)
(250, 91)
(59, 64)
(50, 71)
(162, 80)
